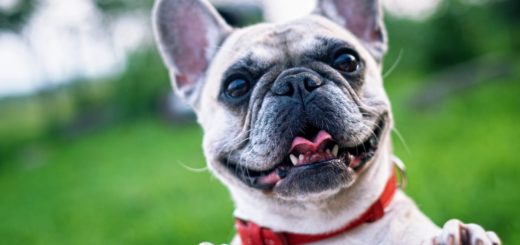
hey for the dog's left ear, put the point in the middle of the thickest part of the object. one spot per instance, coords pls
(364, 18)
(188, 33)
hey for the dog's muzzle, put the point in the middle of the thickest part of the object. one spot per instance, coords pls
(314, 152)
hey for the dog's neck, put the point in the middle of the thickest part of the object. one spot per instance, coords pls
(318, 216)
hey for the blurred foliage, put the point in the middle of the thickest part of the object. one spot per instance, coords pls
(457, 33)
(139, 90)
(121, 6)
(248, 14)
(15, 18)
(83, 106)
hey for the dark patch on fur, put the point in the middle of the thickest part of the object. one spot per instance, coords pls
(314, 179)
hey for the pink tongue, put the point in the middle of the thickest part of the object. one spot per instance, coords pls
(302, 145)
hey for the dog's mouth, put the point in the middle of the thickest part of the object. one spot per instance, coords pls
(312, 155)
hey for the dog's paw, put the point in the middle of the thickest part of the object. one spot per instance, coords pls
(454, 232)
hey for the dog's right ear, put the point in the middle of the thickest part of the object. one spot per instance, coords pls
(188, 33)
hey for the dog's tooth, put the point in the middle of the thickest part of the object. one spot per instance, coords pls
(328, 152)
(294, 159)
(301, 158)
(350, 158)
(335, 150)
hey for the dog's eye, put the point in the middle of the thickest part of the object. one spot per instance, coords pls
(237, 87)
(346, 61)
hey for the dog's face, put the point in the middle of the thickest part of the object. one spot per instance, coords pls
(291, 110)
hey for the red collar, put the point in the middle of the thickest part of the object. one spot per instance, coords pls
(252, 234)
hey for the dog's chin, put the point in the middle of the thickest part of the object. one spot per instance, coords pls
(325, 172)
(317, 180)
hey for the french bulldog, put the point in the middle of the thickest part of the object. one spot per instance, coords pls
(297, 123)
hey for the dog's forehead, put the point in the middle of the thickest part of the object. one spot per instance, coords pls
(274, 41)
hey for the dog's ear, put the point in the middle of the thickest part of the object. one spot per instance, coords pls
(188, 33)
(364, 18)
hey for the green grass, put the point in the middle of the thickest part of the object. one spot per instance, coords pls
(23, 113)
(123, 186)
(128, 184)
(463, 160)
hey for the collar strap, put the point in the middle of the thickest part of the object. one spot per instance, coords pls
(252, 234)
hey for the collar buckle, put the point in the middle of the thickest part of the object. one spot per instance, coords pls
(401, 168)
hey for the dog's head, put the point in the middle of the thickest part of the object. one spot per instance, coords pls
(291, 110)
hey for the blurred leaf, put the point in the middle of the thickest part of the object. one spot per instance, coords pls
(15, 18)
(120, 6)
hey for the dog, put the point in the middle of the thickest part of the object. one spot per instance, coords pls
(297, 124)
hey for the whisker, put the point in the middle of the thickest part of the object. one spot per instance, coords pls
(394, 65)
(230, 142)
(193, 169)
(360, 142)
(372, 112)
(401, 138)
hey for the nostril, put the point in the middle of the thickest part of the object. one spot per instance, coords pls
(296, 82)
(285, 89)
(311, 84)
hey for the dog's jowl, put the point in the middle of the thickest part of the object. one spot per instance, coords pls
(296, 124)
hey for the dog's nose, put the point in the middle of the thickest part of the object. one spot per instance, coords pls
(296, 82)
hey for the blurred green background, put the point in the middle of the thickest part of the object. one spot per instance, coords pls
(114, 159)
